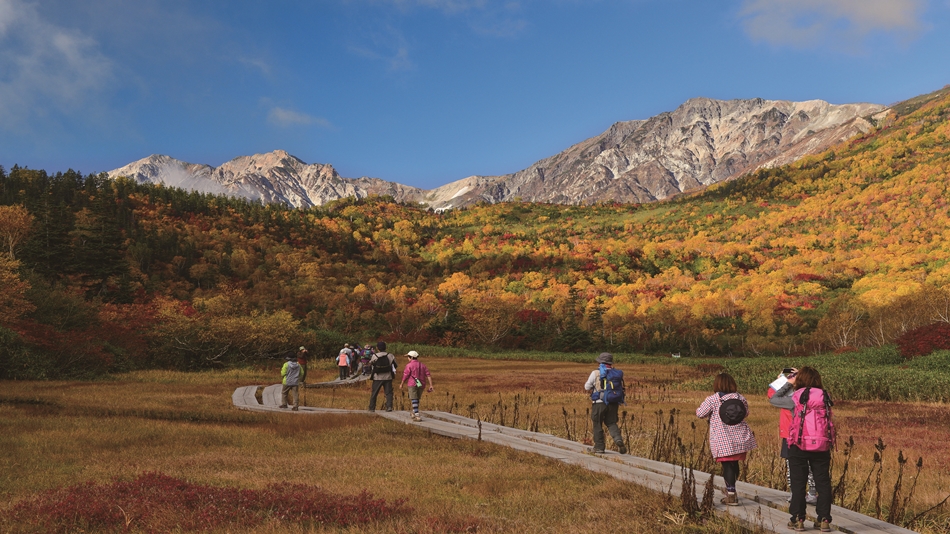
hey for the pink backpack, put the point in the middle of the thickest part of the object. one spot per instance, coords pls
(811, 428)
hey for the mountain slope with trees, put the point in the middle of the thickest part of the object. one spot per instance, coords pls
(846, 249)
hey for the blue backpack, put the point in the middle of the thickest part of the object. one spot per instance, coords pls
(610, 386)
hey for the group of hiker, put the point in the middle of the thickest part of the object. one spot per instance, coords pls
(380, 365)
(806, 429)
(805, 426)
(353, 360)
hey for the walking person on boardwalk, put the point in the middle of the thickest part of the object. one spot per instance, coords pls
(730, 437)
(383, 371)
(784, 421)
(811, 437)
(417, 375)
(364, 359)
(343, 361)
(290, 375)
(606, 388)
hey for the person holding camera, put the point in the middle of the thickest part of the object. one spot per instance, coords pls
(811, 437)
(787, 377)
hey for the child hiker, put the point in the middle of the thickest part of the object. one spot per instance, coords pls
(730, 437)
(416, 374)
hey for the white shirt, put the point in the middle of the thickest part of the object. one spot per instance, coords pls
(592, 382)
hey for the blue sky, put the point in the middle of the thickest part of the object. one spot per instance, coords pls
(424, 92)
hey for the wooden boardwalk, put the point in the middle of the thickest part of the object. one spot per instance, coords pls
(758, 506)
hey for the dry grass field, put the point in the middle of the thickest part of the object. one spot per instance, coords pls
(59, 434)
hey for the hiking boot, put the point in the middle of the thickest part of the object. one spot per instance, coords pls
(731, 499)
(824, 526)
(811, 498)
(416, 417)
(595, 451)
(622, 449)
(295, 408)
(282, 406)
(797, 525)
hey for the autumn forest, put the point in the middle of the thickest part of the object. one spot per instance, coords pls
(839, 251)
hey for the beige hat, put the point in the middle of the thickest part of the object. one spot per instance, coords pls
(413, 354)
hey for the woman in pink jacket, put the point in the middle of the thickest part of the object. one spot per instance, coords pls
(416, 374)
(729, 440)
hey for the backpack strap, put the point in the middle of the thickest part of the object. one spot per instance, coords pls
(803, 399)
(829, 429)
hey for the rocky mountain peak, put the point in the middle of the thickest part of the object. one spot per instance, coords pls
(702, 142)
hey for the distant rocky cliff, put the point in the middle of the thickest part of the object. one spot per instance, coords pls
(702, 142)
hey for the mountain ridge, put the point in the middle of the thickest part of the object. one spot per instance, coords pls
(702, 142)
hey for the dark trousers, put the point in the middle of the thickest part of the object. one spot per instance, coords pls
(605, 414)
(730, 473)
(799, 462)
(387, 386)
(344, 372)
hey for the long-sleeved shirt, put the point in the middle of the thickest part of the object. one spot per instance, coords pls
(415, 370)
(592, 382)
(726, 440)
(783, 399)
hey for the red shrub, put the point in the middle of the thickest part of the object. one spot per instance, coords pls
(154, 502)
(924, 340)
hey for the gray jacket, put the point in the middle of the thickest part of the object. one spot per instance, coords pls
(383, 376)
(783, 397)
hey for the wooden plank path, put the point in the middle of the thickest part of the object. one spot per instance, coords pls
(758, 506)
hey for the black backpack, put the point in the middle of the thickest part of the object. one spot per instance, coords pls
(732, 411)
(384, 363)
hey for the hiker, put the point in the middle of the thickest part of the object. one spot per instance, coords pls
(383, 370)
(302, 356)
(364, 359)
(355, 358)
(810, 440)
(343, 361)
(605, 385)
(784, 419)
(290, 375)
(730, 437)
(416, 374)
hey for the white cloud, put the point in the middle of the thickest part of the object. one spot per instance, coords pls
(448, 6)
(258, 64)
(386, 45)
(843, 23)
(47, 69)
(495, 18)
(287, 117)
